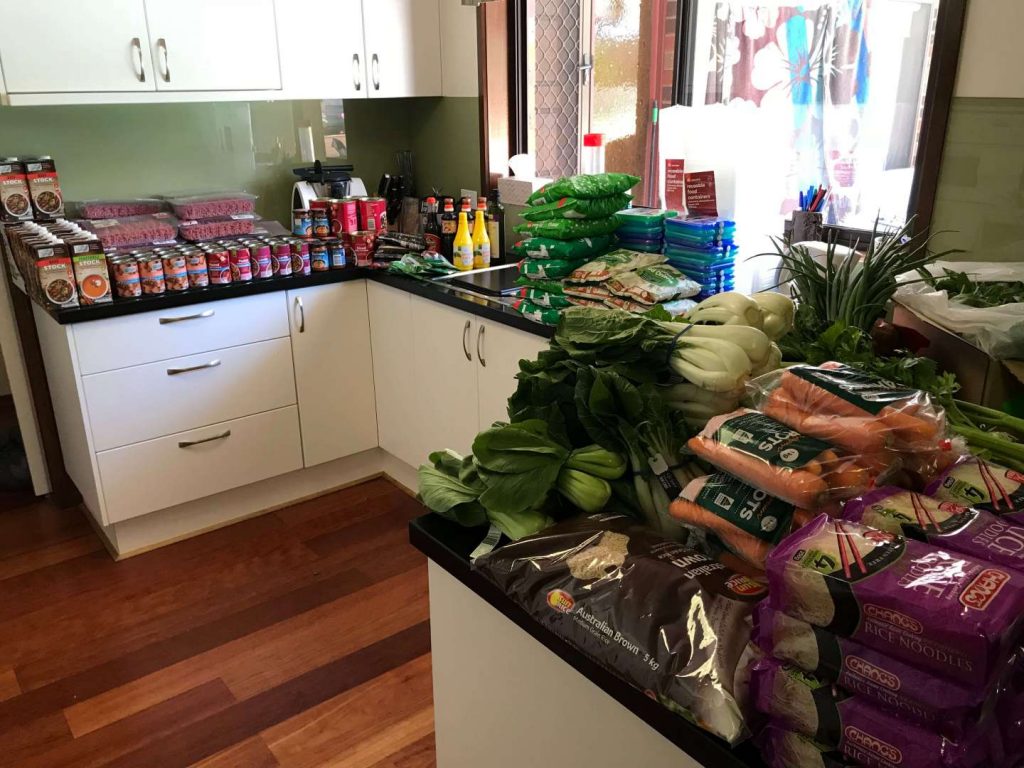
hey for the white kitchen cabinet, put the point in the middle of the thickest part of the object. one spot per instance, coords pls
(311, 71)
(214, 45)
(75, 45)
(402, 43)
(394, 378)
(498, 350)
(330, 329)
(459, 68)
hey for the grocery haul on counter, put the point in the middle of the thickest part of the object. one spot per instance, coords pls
(828, 568)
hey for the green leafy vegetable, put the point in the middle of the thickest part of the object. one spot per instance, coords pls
(961, 288)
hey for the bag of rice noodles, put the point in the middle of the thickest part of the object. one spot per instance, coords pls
(653, 284)
(681, 642)
(615, 263)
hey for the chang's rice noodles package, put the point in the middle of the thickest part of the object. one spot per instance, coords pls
(974, 482)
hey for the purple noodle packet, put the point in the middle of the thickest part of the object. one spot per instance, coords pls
(982, 485)
(853, 726)
(948, 613)
(921, 697)
(946, 524)
(782, 748)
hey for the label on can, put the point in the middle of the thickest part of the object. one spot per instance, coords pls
(344, 216)
(218, 266)
(262, 261)
(321, 224)
(175, 272)
(124, 273)
(195, 264)
(302, 223)
(373, 214)
(319, 258)
(362, 246)
(151, 274)
(241, 264)
(283, 259)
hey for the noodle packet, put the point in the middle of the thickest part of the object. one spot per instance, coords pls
(570, 250)
(615, 263)
(578, 208)
(805, 704)
(653, 284)
(775, 458)
(586, 186)
(569, 229)
(934, 702)
(949, 613)
(681, 643)
(982, 485)
(945, 524)
(785, 749)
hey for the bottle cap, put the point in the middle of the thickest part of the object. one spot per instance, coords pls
(431, 200)
(449, 206)
(593, 140)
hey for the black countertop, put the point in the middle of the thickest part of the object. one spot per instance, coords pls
(489, 308)
(449, 545)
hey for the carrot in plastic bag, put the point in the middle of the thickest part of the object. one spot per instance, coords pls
(855, 434)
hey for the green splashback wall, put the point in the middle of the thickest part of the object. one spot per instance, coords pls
(136, 150)
(981, 185)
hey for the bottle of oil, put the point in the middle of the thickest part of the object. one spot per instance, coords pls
(431, 227)
(481, 241)
(462, 247)
(496, 227)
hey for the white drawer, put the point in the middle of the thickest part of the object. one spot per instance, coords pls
(120, 342)
(142, 478)
(130, 405)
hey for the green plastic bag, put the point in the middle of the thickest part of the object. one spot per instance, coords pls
(546, 248)
(584, 186)
(538, 314)
(578, 208)
(547, 269)
(544, 298)
(554, 287)
(569, 229)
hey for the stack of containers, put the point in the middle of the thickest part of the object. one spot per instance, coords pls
(703, 248)
(643, 229)
(214, 215)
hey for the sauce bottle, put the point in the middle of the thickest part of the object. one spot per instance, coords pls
(496, 227)
(431, 227)
(449, 226)
(467, 208)
(481, 241)
(462, 248)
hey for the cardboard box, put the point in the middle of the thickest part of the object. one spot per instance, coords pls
(983, 379)
(515, 189)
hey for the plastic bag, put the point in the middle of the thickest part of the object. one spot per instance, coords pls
(775, 458)
(681, 643)
(569, 229)
(578, 208)
(546, 269)
(802, 703)
(546, 248)
(598, 292)
(549, 286)
(747, 521)
(949, 613)
(615, 263)
(650, 285)
(536, 312)
(782, 748)
(544, 298)
(981, 484)
(998, 331)
(945, 524)
(587, 186)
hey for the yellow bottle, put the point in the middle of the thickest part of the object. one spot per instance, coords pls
(481, 242)
(462, 249)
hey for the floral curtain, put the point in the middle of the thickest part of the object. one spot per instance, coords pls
(811, 62)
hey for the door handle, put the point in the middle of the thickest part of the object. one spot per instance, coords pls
(375, 71)
(190, 443)
(465, 341)
(479, 345)
(189, 369)
(140, 73)
(302, 314)
(357, 75)
(161, 45)
(183, 318)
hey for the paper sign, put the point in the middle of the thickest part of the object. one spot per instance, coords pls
(675, 188)
(701, 198)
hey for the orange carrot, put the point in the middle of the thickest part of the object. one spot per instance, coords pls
(856, 434)
(748, 547)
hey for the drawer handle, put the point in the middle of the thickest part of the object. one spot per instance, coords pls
(200, 367)
(183, 318)
(465, 342)
(479, 343)
(190, 443)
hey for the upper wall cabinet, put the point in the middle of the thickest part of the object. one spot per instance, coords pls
(213, 45)
(75, 45)
(403, 47)
(325, 59)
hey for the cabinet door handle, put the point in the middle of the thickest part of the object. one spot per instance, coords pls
(140, 72)
(375, 71)
(479, 346)
(302, 314)
(189, 369)
(190, 443)
(161, 45)
(465, 341)
(183, 318)
(357, 74)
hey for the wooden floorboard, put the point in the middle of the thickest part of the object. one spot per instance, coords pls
(299, 638)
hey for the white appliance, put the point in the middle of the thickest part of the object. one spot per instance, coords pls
(320, 180)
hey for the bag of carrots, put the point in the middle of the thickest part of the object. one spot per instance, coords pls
(747, 521)
(775, 458)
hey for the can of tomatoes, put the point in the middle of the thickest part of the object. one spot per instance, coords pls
(151, 273)
(218, 265)
(373, 214)
(262, 261)
(362, 247)
(300, 257)
(282, 259)
(195, 267)
(344, 216)
(241, 264)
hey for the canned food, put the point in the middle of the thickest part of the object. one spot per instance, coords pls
(336, 249)
(321, 224)
(241, 264)
(195, 267)
(262, 261)
(302, 223)
(175, 272)
(124, 274)
(218, 266)
(319, 257)
(300, 257)
(344, 216)
(362, 247)
(283, 259)
(320, 204)
(151, 273)
(373, 214)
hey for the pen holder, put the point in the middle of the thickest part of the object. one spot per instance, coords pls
(807, 225)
